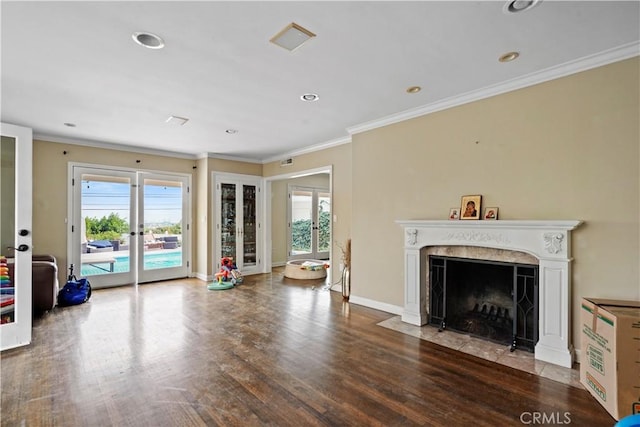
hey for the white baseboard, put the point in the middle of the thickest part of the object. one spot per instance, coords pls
(202, 276)
(382, 306)
(578, 355)
(336, 287)
(278, 264)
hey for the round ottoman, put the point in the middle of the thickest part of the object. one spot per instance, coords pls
(305, 269)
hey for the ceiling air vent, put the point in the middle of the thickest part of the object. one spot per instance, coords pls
(292, 37)
(286, 162)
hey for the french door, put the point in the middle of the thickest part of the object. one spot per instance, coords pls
(129, 226)
(163, 229)
(309, 223)
(16, 179)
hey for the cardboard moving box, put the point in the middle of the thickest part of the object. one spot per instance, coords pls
(610, 361)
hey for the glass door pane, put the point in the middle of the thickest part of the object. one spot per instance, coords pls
(323, 234)
(249, 232)
(301, 223)
(7, 228)
(228, 220)
(103, 207)
(310, 223)
(163, 205)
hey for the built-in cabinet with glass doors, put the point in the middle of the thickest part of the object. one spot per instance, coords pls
(237, 221)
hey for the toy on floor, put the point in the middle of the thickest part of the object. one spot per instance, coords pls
(227, 276)
(314, 265)
(229, 271)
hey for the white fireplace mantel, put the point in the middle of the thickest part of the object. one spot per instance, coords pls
(549, 241)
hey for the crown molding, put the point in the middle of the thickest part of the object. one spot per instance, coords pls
(310, 149)
(606, 57)
(110, 146)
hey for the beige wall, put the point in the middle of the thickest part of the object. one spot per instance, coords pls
(339, 158)
(565, 149)
(233, 166)
(279, 207)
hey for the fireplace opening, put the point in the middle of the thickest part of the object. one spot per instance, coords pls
(497, 301)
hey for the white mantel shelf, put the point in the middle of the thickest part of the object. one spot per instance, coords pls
(547, 240)
(502, 223)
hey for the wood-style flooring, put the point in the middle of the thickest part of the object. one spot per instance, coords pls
(272, 351)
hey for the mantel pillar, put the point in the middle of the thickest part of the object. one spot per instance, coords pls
(415, 301)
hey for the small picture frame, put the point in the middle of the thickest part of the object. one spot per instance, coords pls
(490, 214)
(470, 207)
(454, 214)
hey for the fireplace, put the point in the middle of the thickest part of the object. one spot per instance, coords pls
(546, 244)
(496, 301)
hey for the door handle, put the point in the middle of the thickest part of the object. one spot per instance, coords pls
(20, 248)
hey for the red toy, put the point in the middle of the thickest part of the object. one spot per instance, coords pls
(228, 271)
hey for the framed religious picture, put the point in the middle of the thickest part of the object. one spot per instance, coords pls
(454, 213)
(490, 213)
(470, 207)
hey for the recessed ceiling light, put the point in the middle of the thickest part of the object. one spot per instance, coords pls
(292, 37)
(231, 131)
(310, 97)
(414, 89)
(515, 6)
(508, 57)
(70, 125)
(149, 40)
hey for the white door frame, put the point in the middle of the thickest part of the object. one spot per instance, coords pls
(18, 332)
(219, 178)
(164, 273)
(266, 201)
(76, 229)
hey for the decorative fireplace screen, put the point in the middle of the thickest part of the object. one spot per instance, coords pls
(494, 300)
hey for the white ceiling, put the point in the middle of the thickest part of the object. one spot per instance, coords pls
(76, 62)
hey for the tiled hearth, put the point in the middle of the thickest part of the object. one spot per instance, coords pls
(519, 359)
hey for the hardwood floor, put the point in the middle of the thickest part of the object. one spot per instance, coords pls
(272, 351)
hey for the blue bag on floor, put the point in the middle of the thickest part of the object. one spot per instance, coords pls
(75, 291)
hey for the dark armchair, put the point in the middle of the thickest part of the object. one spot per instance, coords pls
(44, 280)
